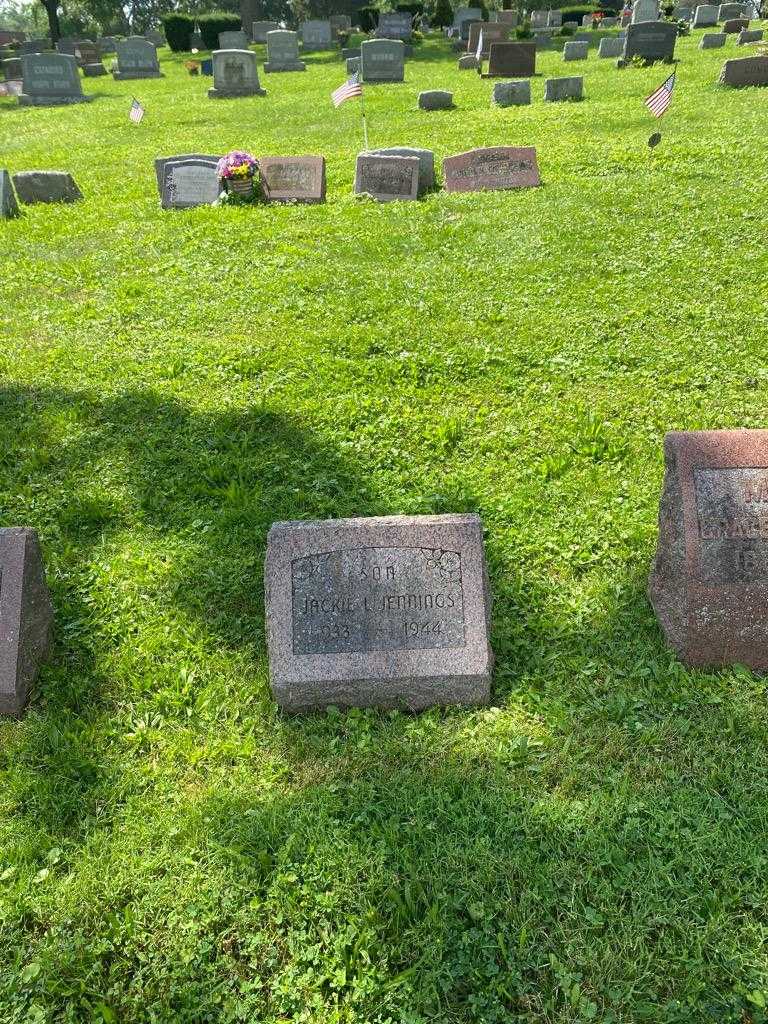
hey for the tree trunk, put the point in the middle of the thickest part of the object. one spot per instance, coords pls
(52, 10)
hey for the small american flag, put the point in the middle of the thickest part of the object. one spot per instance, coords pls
(12, 88)
(348, 90)
(136, 112)
(658, 101)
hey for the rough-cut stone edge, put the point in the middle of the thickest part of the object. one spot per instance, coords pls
(25, 598)
(385, 688)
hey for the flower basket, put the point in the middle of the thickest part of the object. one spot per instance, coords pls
(240, 186)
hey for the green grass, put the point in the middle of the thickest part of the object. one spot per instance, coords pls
(594, 845)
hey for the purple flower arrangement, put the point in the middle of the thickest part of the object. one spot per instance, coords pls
(238, 165)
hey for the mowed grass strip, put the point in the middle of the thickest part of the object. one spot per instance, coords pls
(593, 845)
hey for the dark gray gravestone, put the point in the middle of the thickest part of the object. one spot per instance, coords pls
(50, 79)
(745, 71)
(733, 26)
(26, 616)
(189, 183)
(575, 51)
(387, 178)
(66, 45)
(382, 60)
(13, 69)
(511, 60)
(46, 187)
(709, 585)
(353, 65)
(395, 25)
(426, 158)
(35, 46)
(8, 205)
(389, 612)
(136, 58)
(235, 74)
(755, 36)
(727, 11)
(557, 90)
(106, 45)
(233, 40)
(293, 179)
(705, 16)
(651, 40)
(316, 35)
(488, 32)
(283, 52)
(610, 46)
(712, 41)
(435, 99)
(468, 62)
(262, 28)
(511, 94)
(162, 161)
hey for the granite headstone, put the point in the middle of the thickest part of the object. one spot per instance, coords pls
(388, 612)
(283, 52)
(387, 178)
(297, 179)
(382, 60)
(742, 72)
(136, 58)
(235, 74)
(189, 182)
(558, 90)
(490, 169)
(50, 79)
(511, 60)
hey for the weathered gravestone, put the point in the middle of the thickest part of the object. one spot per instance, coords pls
(316, 35)
(727, 11)
(435, 99)
(542, 42)
(233, 40)
(682, 13)
(8, 205)
(575, 51)
(136, 58)
(733, 26)
(755, 36)
(610, 46)
(395, 25)
(46, 187)
(462, 14)
(106, 45)
(162, 161)
(558, 90)
(89, 59)
(283, 52)
(489, 32)
(712, 40)
(13, 69)
(66, 45)
(554, 19)
(705, 16)
(235, 74)
(50, 79)
(511, 94)
(386, 178)
(426, 158)
(261, 30)
(390, 612)
(353, 65)
(26, 616)
(709, 584)
(742, 72)
(652, 41)
(644, 10)
(468, 62)
(497, 167)
(297, 179)
(192, 181)
(511, 60)
(34, 46)
(382, 60)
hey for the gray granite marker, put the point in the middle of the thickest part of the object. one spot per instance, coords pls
(283, 52)
(235, 74)
(46, 187)
(50, 79)
(753, 36)
(610, 46)
(233, 40)
(558, 89)
(8, 205)
(26, 616)
(426, 158)
(511, 94)
(435, 99)
(136, 58)
(712, 40)
(387, 612)
(575, 51)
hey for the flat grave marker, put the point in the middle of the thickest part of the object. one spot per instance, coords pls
(298, 179)
(709, 583)
(385, 612)
(387, 178)
(492, 169)
(742, 72)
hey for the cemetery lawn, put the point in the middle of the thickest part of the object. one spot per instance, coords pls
(591, 847)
